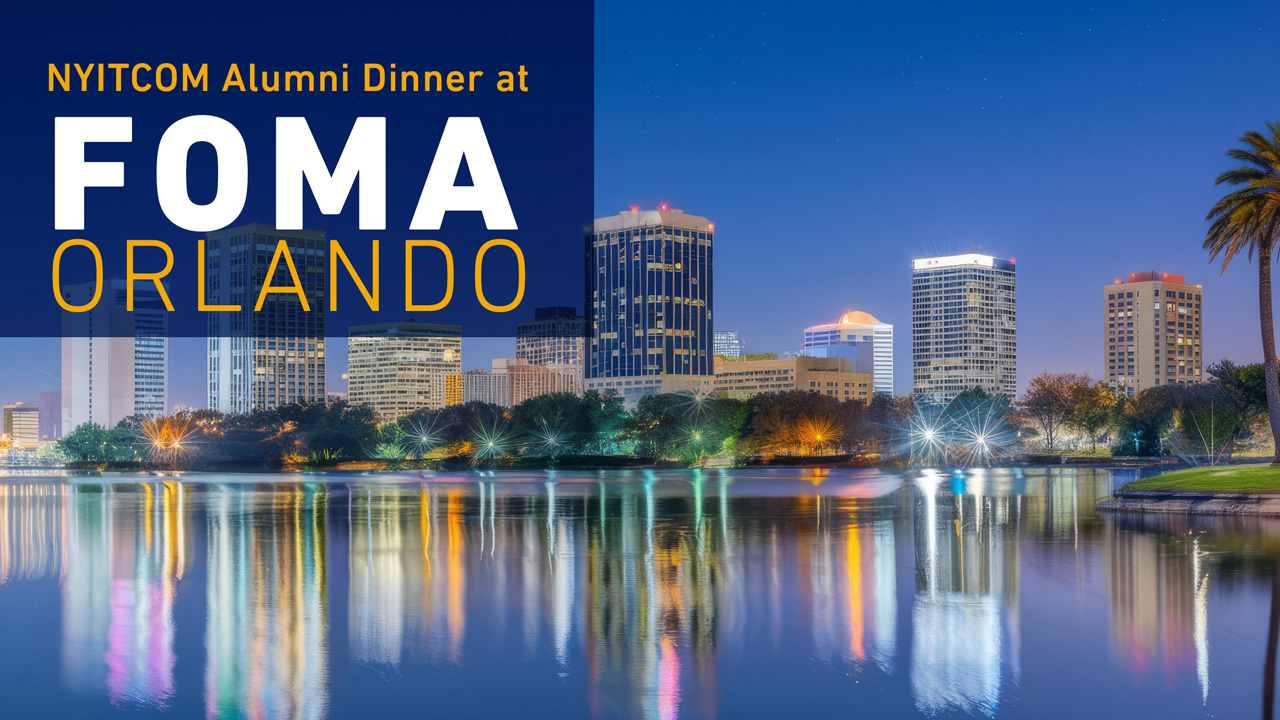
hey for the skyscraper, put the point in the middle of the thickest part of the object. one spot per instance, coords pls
(728, 344)
(860, 337)
(649, 296)
(114, 362)
(259, 360)
(399, 367)
(555, 338)
(1151, 331)
(964, 330)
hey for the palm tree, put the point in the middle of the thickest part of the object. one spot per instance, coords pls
(1248, 219)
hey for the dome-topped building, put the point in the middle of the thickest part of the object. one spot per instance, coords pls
(857, 317)
(860, 336)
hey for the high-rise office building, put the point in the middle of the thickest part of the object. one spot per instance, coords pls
(964, 326)
(649, 303)
(728, 344)
(260, 360)
(1151, 331)
(399, 367)
(861, 338)
(555, 338)
(114, 362)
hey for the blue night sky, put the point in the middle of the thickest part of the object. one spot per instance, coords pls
(832, 145)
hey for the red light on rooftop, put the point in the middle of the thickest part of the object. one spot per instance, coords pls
(635, 208)
(663, 206)
(1153, 276)
(1013, 259)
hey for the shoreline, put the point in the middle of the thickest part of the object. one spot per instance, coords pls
(588, 463)
(1171, 502)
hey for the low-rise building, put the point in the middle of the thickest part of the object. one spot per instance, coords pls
(526, 380)
(22, 424)
(834, 377)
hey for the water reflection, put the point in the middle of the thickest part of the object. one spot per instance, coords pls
(31, 524)
(266, 633)
(966, 606)
(646, 595)
(1158, 591)
(125, 548)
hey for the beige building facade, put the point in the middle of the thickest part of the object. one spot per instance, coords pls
(834, 377)
(1151, 332)
(964, 326)
(398, 368)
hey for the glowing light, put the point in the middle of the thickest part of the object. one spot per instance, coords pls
(166, 436)
(493, 441)
(695, 403)
(548, 440)
(425, 436)
(964, 432)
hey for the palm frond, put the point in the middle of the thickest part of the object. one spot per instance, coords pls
(1247, 220)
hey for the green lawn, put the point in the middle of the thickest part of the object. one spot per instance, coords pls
(1226, 478)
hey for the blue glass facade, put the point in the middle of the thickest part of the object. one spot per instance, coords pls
(649, 302)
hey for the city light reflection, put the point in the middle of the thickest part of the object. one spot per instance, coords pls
(638, 589)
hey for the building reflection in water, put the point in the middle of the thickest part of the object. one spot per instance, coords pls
(126, 553)
(32, 522)
(1158, 597)
(266, 636)
(408, 565)
(853, 572)
(642, 585)
(580, 563)
(965, 618)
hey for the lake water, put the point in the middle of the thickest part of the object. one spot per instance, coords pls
(735, 594)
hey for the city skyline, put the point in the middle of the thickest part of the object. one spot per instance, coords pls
(1018, 86)
(192, 391)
